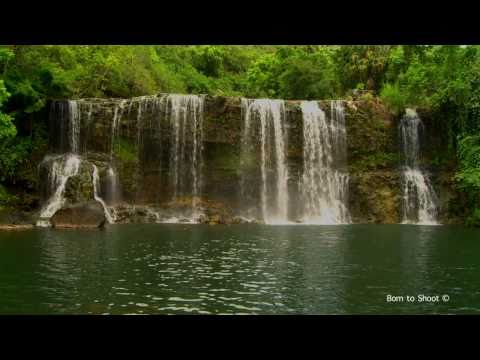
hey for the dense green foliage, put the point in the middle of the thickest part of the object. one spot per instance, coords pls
(302, 72)
(443, 79)
(446, 80)
(7, 129)
(468, 175)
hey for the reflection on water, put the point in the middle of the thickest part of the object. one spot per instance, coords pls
(244, 269)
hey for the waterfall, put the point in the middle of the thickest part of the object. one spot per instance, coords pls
(117, 115)
(113, 195)
(65, 118)
(181, 116)
(60, 170)
(74, 125)
(269, 116)
(324, 186)
(113, 192)
(142, 102)
(96, 185)
(419, 197)
(186, 151)
(62, 167)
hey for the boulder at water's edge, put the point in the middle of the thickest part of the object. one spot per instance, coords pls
(87, 214)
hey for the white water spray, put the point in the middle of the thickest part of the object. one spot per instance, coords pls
(270, 116)
(96, 196)
(324, 186)
(186, 152)
(113, 186)
(117, 115)
(74, 125)
(61, 169)
(419, 197)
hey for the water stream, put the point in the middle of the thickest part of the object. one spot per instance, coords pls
(419, 203)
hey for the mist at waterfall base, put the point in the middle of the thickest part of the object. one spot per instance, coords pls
(239, 269)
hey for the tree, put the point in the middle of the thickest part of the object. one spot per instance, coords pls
(361, 66)
(301, 72)
(7, 129)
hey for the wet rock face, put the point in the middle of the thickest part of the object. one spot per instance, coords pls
(139, 150)
(208, 212)
(375, 197)
(79, 188)
(86, 214)
(372, 153)
(452, 207)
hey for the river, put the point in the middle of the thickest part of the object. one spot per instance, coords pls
(241, 269)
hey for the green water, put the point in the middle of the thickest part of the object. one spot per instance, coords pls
(196, 269)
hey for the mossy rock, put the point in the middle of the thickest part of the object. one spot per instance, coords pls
(84, 214)
(79, 188)
(374, 197)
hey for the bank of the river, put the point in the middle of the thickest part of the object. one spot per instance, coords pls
(7, 227)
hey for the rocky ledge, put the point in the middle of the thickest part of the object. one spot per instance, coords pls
(10, 227)
(180, 210)
(83, 215)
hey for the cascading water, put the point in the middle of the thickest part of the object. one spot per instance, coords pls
(268, 118)
(61, 168)
(186, 151)
(96, 184)
(170, 124)
(140, 124)
(324, 185)
(113, 186)
(117, 115)
(74, 123)
(419, 197)
(113, 195)
(65, 119)
(159, 143)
